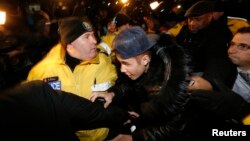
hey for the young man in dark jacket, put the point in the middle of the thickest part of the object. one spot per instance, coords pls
(151, 83)
(154, 84)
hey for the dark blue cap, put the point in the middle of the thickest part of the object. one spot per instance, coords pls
(131, 42)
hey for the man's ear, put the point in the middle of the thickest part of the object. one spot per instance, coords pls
(145, 59)
(69, 47)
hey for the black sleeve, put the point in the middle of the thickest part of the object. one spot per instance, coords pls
(123, 90)
(85, 114)
(42, 105)
(222, 101)
(30, 109)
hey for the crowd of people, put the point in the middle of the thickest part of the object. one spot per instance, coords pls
(137, 83)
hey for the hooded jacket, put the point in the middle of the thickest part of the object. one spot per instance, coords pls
(159, 95)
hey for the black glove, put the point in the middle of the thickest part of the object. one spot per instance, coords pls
(127, 129)
(223, 102)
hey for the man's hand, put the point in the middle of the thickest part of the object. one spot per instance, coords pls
(106, 97)
(199, 83)
(122, 137)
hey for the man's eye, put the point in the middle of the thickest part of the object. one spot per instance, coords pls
(243, 46)
(86, 36)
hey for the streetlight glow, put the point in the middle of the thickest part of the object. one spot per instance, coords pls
(154, 4)
(2, 17)
(124, 1)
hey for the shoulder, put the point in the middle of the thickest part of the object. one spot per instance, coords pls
(175, 30)
(104, 58)
(234, 23)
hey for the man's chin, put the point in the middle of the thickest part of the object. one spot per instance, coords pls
(131, 77)
(94, 55)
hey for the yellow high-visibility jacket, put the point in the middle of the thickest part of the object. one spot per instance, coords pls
(246, 120)
(106, 43)
(234, 23)
(100, 69)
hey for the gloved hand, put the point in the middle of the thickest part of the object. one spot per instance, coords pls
(127, 129)
(223, 102)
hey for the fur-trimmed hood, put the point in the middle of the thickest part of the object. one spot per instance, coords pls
(165, 83)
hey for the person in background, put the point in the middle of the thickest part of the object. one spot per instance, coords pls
(121, 22)
(205, 40)
(42, 22)
(111, 27)
(75, 65)
(231, 103)
(152, 28)
(42, 37)
(220, 12)
(152, 25)
(239, 53)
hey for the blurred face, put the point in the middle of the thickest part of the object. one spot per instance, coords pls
(200, 22)
(111, 27)
(84, 47)
(150, 24)
(123, 27)
(239, 50)
(134, 67)
(217, 15)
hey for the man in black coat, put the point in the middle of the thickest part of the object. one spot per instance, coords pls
(205, 40)
(33, 111)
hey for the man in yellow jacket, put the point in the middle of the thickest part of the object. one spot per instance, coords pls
(75, 65)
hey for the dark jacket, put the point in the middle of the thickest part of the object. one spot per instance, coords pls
(167, 111)
(220, 109)
(34, 111)
(159, 95)
(208, 50)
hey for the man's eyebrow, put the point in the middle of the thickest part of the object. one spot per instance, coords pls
(124, 62)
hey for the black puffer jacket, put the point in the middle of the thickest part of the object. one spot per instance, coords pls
(159, 95)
